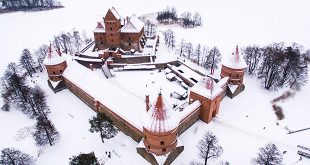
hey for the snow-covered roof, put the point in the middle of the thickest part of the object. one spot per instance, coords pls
(207, 87)
(115, 13)
(234, 61)
(133, 25)
(160, 118)
(99, 28)
(54, 58)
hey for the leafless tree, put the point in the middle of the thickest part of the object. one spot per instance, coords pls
(209, 148)
(269, 155)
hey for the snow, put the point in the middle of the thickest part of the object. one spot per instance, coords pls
(223, 82)
(54, 58)
(226, 24)
(115, 13)
(231, 62)
(232, 88)
(187, 73)
(100, 27)
(201, 89)
(133, 25)
(54, 84)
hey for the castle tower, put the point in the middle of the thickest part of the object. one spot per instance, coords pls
(113, 24)
(234, 68)
(209, 95)
(160, 127)
(55, 64)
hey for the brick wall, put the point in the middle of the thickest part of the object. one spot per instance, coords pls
(119, 122)
(235, 75)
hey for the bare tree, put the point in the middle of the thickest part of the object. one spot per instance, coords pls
(252, 55)
(198, 53)
(11, 156)
(213, 58)
(269, 155)
(209, 148)
(41, 53)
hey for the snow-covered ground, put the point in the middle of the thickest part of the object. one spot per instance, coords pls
(241, 121)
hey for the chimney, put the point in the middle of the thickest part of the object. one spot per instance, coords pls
(147, 102)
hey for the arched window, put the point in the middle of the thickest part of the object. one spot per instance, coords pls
(162, 143)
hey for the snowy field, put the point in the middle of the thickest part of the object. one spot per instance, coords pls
(244, 123)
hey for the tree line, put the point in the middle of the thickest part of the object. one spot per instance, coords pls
(17, 5)
(277, 65)
(187, 19)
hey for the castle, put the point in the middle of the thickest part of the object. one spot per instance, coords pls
(159, 125)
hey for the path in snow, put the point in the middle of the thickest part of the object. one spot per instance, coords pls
(254, 135)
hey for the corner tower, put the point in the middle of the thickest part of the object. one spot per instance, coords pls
(234, 67)
(160, 127)
(55, 64)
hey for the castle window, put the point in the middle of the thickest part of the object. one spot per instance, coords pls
(162, 143)
(53, 72)
(129, 44)
(164, 150)
(111, 34)
(59, 76)
(148, 147)
(101, 43)
(229, 75)
(112, 40)
(110, 28)
(60, 71)
(100, 37)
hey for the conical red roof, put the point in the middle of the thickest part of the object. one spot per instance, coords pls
(160, 118)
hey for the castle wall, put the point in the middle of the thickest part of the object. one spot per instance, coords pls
(134, 59)
(188, 121)
(130, 41)
(119, 122)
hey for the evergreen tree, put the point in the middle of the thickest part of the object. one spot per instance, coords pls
(45, 132)
(102, 124)
(11, 156)
(84, 159)
(27, 62)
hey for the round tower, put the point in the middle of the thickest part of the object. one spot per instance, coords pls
(55, 63)
(234, 68)
(160, 128)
